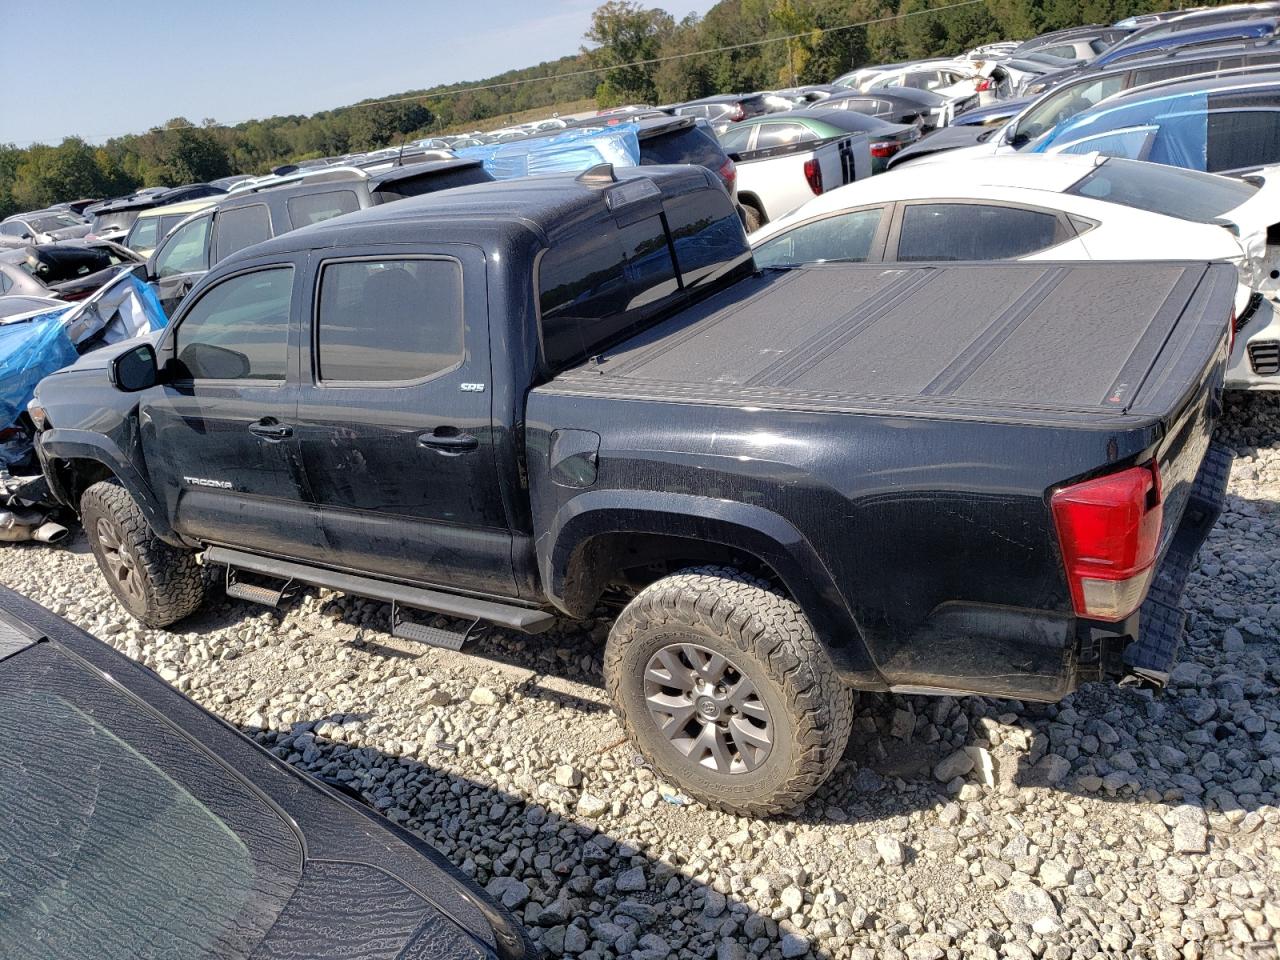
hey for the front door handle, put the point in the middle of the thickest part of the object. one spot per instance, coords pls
(448, 440)
(268, 428)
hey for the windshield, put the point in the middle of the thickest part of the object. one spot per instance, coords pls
(1063, 105)
(58, 221)
(1172, 191)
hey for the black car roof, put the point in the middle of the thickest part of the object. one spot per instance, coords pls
(530, 206)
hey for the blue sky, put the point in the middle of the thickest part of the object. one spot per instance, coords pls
(103, 69)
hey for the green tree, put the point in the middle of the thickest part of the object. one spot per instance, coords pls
(626, 32)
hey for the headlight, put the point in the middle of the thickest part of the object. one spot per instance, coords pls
(37, 413)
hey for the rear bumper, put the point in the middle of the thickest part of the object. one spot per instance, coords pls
(1151, 657)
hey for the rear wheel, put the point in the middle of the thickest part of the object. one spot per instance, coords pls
(721, 684)
(155, 582)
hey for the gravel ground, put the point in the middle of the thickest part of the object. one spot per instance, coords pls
(1114, 823)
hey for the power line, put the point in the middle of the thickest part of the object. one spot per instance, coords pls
(592, 70)
(667, 59)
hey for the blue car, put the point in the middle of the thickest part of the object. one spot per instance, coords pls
(1226, 125)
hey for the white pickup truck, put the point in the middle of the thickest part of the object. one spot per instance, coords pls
(776, 180)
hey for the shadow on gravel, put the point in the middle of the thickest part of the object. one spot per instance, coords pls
(574, 887)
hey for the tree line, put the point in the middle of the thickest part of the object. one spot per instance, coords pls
(820, 45)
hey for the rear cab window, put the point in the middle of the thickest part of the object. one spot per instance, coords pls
(606, 279)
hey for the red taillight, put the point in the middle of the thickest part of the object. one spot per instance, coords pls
(813, 173)
(738, 113)
(75, 295)
(1231, 333)
(885, 148)
(728, 173)
(984, 85)
(1109, 532)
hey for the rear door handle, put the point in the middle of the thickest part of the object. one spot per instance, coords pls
(268, 428)
(448, 440)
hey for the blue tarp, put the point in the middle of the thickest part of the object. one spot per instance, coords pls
(32, 349)
(568, 152)
(1172, 130)
(29, 351)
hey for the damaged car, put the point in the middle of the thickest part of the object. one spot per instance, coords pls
(44, 226)
(70, 270)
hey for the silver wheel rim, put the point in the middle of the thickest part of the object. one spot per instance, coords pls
(708, 709)
(118, 562)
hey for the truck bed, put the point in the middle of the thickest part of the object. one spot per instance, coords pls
(1027, 341)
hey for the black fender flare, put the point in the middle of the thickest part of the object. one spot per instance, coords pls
(64, 445)
(751, 529)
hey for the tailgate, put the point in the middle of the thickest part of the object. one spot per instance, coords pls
(1193, 474)
(844, 160)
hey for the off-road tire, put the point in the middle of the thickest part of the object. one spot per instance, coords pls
(170, 584)
(752, 219)
(769, 639)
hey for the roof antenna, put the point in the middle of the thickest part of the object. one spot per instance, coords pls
(600, 173)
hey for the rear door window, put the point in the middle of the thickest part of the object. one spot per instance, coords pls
(240, 227)
(973, 231)
(845, 237)
(316, 207)
(394, 320)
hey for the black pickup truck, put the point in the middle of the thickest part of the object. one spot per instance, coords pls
(547, 397)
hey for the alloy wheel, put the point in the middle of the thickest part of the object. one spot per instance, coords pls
(708, 708)
(118, 561)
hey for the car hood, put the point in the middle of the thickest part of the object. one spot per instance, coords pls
(950, 143)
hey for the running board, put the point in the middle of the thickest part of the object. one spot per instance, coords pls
(410, 629)
(254, 592)
(508, 615)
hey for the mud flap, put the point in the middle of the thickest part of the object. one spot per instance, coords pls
(1150, 659)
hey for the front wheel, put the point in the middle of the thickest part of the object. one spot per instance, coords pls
(722, 686)
(157, 583)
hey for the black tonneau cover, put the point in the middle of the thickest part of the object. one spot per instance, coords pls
(1031, 340)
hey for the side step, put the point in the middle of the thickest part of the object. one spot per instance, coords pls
(527, 619)
(409, 629)
(254, 592)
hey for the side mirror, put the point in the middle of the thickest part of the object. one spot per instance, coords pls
(135, 370)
